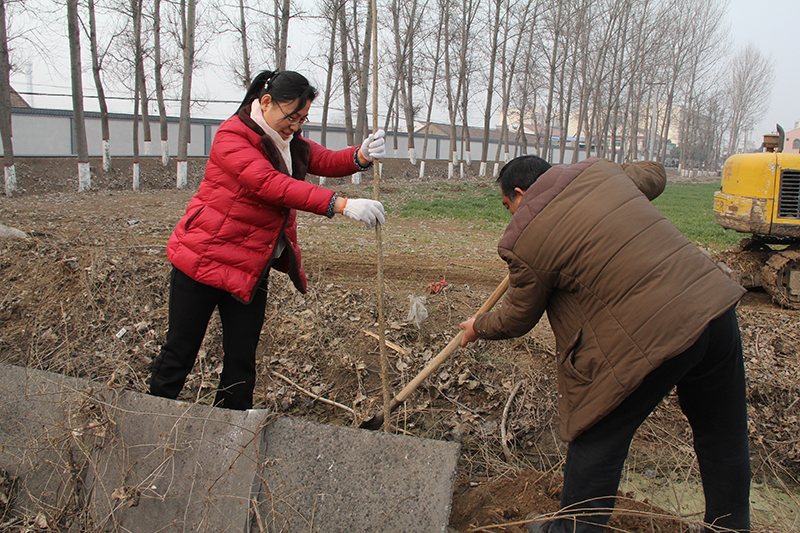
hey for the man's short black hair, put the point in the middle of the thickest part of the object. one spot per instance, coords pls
(521, 172)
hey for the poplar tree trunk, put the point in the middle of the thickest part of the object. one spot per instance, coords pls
(247, 77)
(98, 83)
(346, 82)
(487, 114)
(136, 11)
(162, 109)
(79, 125)
(285, 14)
(326, 104)
(10, 178)
(188, 8)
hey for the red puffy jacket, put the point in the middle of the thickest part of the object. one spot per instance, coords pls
(246, 202)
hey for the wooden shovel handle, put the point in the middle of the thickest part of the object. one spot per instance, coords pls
(448, 350)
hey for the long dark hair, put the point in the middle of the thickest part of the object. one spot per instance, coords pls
(283, 86)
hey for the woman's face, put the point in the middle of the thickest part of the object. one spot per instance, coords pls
(282, 117)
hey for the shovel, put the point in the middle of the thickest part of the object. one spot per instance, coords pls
(377, 421)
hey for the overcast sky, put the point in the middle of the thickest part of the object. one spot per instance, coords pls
(771, 26)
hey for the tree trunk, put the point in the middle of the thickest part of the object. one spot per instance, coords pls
(10, 179)
(451, 98)
(487, 114)
(409, 98)
(247, 76)
(329, 80)
(79, 125)
(98, 83)
(436, 59)
(362, 124)
(390, 111)
(188, 12)
(162, 109)
(282, 44)
(553, 65)
(346, 82)
(469, 12)
(404, 61)
(143, 93)
(136, 11)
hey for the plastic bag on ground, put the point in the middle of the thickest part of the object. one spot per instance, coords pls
(417, 313)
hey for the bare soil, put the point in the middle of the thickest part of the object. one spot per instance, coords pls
(85, 294)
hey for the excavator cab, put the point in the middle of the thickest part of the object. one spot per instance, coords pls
(760, 197)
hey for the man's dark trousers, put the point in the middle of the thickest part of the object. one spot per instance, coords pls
(711, 390)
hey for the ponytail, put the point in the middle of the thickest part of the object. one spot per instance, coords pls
(282, 86)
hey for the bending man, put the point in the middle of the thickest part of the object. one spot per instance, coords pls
(636, 310)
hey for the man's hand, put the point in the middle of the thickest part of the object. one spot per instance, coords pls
(469, 332)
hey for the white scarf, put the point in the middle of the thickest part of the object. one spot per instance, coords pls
(282, 145)
(283, 148)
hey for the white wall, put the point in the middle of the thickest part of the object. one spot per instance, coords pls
(48, 133)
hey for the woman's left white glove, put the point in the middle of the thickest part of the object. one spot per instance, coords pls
(374, 146)
(370, 212)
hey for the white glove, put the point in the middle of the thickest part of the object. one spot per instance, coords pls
(374, 146)
(369, 212)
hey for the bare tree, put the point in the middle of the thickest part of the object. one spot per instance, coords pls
(748, 87)
(488, 111)
(138, 91)
(331, 11)
(436, 59)
(452, 96)
(344, 31)
(284, 14)
(406, 22)
(517, 32)
(142, 89)
(159, 82)
(97, 67)
(10, 179)
(526, 89)
(79, 125)
(247, 76)
(469, 13)
(362, 124)
(695, 27)
(241, 26)
(187, 45)
(646, 49)
(554, 61)
(707, 41)
(577, 30)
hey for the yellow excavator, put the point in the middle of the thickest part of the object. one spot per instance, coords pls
(760, 196)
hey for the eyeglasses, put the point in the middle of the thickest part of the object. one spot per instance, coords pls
(291, 120)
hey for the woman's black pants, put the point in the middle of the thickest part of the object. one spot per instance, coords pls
(190, 307)
(710, 384)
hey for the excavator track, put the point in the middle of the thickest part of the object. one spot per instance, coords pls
(780, 277)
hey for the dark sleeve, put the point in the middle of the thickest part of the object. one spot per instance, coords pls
(522, 306)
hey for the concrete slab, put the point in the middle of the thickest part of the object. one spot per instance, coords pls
(41, 415)
(325, 479)
(175, 466)
(143, 464)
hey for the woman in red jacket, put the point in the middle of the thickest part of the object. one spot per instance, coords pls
(242, 223)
